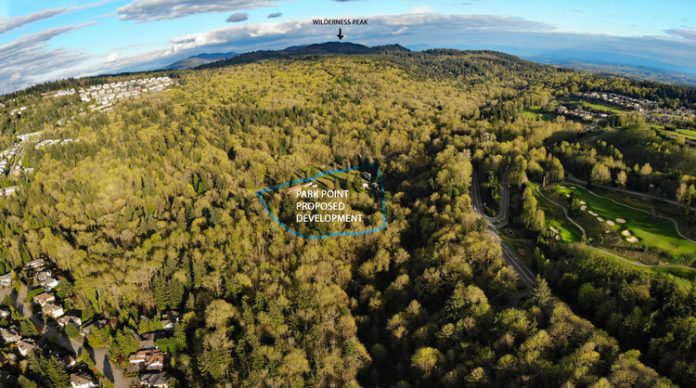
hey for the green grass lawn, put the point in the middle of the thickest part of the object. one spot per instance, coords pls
(654, 232)
(568, 232)
(601, 107)
(533, 113)
(680, 132)
(690, 133)
(684, 276)
(528, 114)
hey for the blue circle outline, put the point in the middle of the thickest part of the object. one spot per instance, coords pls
(380, 180)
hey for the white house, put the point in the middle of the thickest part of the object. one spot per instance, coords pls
(24, 347)
(9, 335)
(6, 279)
(44, 298)
(36, 264)
(50, 283)
(82, 380)
(68, 318)
(52, 310)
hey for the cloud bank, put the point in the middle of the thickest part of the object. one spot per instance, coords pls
(30, 60)
(151, 10)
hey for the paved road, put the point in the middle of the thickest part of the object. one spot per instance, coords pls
(99, 356)
(501, 219)
(112, 372)
(510, 257)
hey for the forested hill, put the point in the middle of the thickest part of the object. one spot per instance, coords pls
(294, 52)
(153, 208)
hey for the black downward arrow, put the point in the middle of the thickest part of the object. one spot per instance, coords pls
(340, 34)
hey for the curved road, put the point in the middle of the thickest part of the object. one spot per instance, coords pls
(510, 257)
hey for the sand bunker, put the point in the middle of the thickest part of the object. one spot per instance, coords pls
(611, 223)
(626, 233)
(620, 221)
(600, 219)
(632, 239)
(583, 207)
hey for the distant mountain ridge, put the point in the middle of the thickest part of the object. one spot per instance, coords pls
(328, 48)
(200, 59)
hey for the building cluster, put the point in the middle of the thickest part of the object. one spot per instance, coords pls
(50, 142)
(625, 102)
(15, 344)
(65, 92)
(104, 95)
(580, 114)
(9, 331)
(43, 276)
(8, 156)
(149, 361)
(18, 111)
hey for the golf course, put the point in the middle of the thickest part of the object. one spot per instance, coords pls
(636, 226)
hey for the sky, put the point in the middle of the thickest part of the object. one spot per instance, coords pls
(44, 40)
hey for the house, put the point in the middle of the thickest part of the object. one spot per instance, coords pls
(43, 275)
(24, 347)
(9, 335)
(155, 380)
(85, 330)
(68, 361)
(82, 380)
(293, 190)
(147, 340)
(50, 283)
(44, 298)
(52, 310)
(148, 359)
(6, 279)
(69, 318)
(169, 319)
(36, 264)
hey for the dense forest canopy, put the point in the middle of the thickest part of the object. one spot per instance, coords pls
(154, 208)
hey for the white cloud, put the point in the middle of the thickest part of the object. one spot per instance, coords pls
(682, 33)
(20, 21)
(422, 9)
(150, 10)
(113, 57)
(34, 62)
(238, 17)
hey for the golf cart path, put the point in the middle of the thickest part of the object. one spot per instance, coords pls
(674, 222)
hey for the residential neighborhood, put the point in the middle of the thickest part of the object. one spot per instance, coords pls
(36, 317)
(103, 96)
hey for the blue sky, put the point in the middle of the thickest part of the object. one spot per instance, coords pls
(44, 40)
